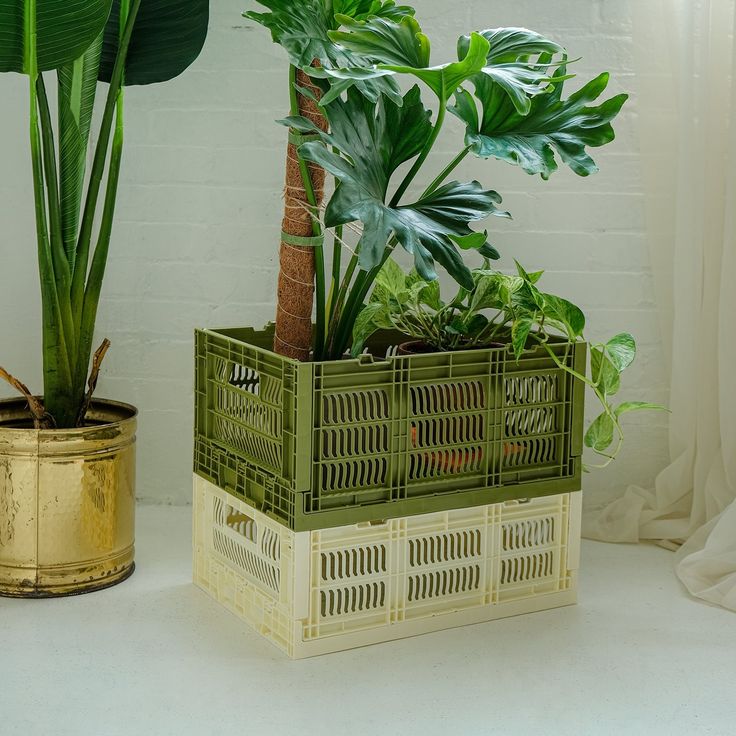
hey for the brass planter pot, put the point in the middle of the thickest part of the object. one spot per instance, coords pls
(67, 502)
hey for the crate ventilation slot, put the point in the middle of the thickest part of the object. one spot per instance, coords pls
(531, 389)
(445, 547)
(249, 411)
(347, 475)
(353, 599)
(242, 558)
(367, 439)
(457, 430)
(525, 422)
(250, 444)
(530, 452)
(244, 378)
(354, 406)
(444, 582)
(528, 534)
(348, 563)
(527, 568)
(241, 524)
(248, 380)
(443, 398)
(441, 462)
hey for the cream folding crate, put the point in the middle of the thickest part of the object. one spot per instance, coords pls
(322, 591)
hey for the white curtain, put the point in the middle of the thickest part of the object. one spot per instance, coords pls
(686, 105)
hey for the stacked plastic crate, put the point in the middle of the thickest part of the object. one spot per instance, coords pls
(345, 503)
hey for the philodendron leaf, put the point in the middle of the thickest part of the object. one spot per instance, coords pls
(167, 37)
(478, 242)
(551, 125)
(509, 68)
(372, 141)
(64, 30)
(515, 44)
(399, 43)
(600, 433)
(364, 9)
(302, 29)
(621, 351)
(628, 406)
(404, 49)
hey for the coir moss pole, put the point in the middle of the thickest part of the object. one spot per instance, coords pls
(303, 193)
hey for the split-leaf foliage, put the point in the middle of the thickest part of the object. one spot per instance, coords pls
(505, 84)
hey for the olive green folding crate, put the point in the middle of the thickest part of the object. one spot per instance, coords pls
(323, 444)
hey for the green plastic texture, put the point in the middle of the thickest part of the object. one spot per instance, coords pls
(324, 444)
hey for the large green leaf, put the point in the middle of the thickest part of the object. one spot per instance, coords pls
(402, 48)
(64, 30)
(364, 9)
(509, 66)
(552, 124)
(501, 55)
(372, 141)
(167, 37)
(393, 42)
(302, 29)
(514, 44)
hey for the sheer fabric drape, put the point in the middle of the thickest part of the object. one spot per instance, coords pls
(686, 105)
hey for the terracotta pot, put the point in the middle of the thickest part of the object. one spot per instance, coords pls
(67, 502)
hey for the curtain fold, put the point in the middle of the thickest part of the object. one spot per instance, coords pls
(686, 103)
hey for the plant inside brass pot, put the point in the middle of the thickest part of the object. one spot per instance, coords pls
(67, 461)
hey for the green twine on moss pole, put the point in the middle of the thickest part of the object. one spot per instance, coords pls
(299, 139)
(303, 242)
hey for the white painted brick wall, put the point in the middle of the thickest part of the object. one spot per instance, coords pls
(199, 214)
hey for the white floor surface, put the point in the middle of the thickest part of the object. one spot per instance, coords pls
(155, 656)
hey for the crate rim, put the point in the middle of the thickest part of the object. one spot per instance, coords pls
(368, 359)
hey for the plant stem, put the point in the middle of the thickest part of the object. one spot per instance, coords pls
(446, 172)
(363, 282)
(99, 259)
(60, 264)
(86, 288)
(339, 302)
(336, 269)
(409, 178)
(604, 403)
(56, 369)
(98, 165)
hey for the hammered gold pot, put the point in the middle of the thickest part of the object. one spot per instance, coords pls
(67, 502)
